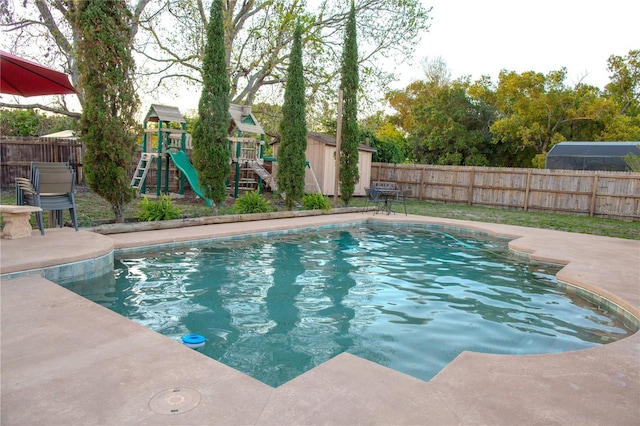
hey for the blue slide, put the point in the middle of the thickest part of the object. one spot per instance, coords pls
(183, 164)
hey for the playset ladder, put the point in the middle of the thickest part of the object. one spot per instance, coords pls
(264, 174)
(140, 174)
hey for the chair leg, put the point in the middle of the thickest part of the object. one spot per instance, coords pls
(72, 210)
(19, 197)
(40, 222)
(74, 219)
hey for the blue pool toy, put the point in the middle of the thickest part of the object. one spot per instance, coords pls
(193, 341)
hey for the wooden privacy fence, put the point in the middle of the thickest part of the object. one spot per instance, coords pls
(595, 193)
(16, 155)
(606, 194)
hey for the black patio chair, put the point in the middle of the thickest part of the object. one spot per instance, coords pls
(374, 195)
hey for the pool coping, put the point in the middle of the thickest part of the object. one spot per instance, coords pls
(48, 377)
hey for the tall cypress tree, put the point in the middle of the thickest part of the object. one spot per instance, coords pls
(108, 118)
(293, 128)
(210, 133)
(349, 84)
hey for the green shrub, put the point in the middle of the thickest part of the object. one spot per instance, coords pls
(252, 202)
(162, 209)
(315, 202)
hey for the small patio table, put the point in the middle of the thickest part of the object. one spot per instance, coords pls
(385, 192)
(388, 195)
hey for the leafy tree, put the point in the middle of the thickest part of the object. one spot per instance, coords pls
(30, 123)
(624, 87)
(451, 129)
(210, 133)
(293, 129)
(325, 120)
(388, 140)
(269, 117)
(538, 111)
(445, 125)
(500, 153)
(391, 145)
(349, 174)
(106, 75)
(633, 161)
(619, 127)
(623, 94)
(19, 123)
(587, 113)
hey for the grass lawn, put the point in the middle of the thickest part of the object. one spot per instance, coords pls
(92, 210)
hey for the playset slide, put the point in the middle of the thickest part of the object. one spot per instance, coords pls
(183, 164)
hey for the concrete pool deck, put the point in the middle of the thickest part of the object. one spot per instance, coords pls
(67, 361)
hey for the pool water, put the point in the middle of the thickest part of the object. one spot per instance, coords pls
(409, 299)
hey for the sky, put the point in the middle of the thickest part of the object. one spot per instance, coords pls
(483, 37)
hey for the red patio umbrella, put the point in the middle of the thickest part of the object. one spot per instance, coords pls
(19, 76)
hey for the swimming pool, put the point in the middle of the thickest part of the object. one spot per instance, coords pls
(410, 299)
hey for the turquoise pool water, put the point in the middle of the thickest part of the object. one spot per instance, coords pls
(409, 299)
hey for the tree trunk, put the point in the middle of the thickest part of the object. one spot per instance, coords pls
(118, 210)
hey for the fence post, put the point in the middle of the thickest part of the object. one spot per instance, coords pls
(526, 191)
(594, 193)
(421, 188)
(470, 189)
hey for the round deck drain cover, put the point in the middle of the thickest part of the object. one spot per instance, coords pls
(175, 401)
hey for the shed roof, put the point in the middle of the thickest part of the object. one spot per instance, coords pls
(164, 114)
(243, 119)
(594, 149)
(331, 140)
(64, 134)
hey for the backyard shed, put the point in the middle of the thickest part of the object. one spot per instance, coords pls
(321, 151)
(607, 156)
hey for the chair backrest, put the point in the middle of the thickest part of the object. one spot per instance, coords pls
(47, 167)
(55, 165)
(373, 193)
(384, 185)
(54, 182)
